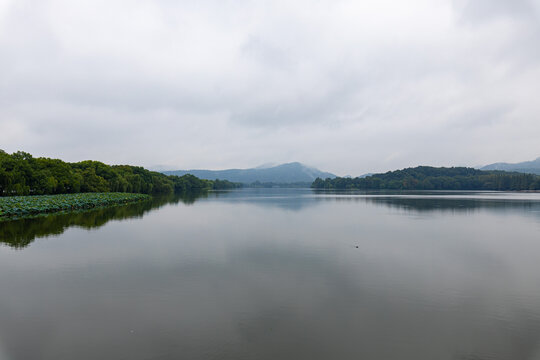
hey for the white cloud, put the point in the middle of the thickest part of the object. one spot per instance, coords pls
(347, 86)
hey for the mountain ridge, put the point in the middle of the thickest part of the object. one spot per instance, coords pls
(293, 172)
(528, 167)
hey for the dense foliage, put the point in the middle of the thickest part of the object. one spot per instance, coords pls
(431, 178)
(225, 185)
(22, 174)
(17, 206)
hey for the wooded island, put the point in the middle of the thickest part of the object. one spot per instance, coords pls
(435, 178)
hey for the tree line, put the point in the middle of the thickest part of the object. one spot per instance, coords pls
(23, 174)
(432, 178)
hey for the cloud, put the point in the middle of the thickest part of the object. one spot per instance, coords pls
(475, 11)
(345, 86)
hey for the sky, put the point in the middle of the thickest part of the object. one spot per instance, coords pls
(348, 87)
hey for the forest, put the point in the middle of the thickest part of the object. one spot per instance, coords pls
(23, 174)
(435, 178)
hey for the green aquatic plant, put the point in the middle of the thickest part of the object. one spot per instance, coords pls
(24, 206)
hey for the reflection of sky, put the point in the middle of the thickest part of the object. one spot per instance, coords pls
(238, 280)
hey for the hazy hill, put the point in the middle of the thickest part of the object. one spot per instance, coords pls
(285, 173)
(530, 167)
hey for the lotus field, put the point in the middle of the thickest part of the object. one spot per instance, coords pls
(21, 206)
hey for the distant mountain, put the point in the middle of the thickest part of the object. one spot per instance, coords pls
(366, 175)
(530, 167)
(285, 173)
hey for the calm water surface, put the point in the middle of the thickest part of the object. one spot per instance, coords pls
(277, 274)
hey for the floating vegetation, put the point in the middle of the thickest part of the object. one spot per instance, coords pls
(23, 206)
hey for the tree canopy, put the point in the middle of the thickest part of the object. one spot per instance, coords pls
(23, 174)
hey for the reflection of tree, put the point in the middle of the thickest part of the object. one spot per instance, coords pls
(429, 201)
(452, 205)
(21, 233)
(189, 198)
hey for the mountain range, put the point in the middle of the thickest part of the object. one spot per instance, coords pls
(530, 167)
(294, 172)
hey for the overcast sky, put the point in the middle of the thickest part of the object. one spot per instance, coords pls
(346, 86)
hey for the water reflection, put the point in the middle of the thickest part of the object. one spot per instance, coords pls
(454, 205)
(417, 201)
(22, 232)
(281, 198)
(246, 275)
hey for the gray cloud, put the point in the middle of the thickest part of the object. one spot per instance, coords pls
(345, 86)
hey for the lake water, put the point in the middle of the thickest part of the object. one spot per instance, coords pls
(277, 274)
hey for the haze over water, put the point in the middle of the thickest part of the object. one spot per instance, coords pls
(278, 274)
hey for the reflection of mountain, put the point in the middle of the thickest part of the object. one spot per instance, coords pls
(286, 199)
(21, 233)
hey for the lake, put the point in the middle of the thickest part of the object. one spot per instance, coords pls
(277, 274)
